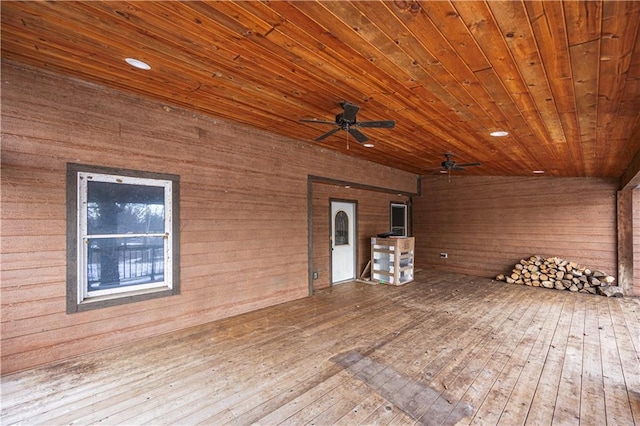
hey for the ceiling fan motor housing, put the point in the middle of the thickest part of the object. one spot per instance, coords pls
(449, 164)
(341, 121)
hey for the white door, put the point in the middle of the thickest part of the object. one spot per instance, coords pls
(343, 241)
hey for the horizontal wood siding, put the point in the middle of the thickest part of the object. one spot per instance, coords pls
(373, 218)
(486, 224)
(243, 211)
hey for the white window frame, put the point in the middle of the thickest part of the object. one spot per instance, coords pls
(406, 217)
(79, 296)
(83, 236)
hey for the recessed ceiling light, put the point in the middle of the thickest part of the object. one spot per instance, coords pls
(538, 172)
(499, 133)
(138, 63)
(368, 145)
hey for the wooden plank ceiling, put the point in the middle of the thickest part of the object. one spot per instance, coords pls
(563, 78)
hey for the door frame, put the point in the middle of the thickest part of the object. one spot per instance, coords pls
(322, 180)
(355, 238)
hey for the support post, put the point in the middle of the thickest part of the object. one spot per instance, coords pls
(625, 240)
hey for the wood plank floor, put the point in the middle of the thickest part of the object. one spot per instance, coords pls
(446, 349)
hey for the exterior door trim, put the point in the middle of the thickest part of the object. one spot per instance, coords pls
(355, 236)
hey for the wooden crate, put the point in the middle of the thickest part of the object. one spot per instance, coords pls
(392, 260)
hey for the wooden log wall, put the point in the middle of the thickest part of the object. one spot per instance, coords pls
(373, 218)
(487, 224)
(243, 211)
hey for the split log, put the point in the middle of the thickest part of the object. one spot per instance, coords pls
(610, 291)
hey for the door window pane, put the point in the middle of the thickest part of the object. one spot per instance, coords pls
(341, 226)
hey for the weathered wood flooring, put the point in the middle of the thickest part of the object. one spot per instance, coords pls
(445, 349)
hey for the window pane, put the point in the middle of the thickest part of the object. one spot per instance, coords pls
(116, 208)
(341, 228)
(119, 262)
(399, 219)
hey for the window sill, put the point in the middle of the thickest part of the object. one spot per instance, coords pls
(122, 298)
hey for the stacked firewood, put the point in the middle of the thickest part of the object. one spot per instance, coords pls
(554, 272)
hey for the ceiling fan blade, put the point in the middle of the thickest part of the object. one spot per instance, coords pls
(318, 121)
(458, 168)
(358, 135)
(386, 124)
(350, 111)
(470, 164)
(329, 133)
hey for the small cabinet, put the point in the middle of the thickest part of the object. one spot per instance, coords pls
(392, 260)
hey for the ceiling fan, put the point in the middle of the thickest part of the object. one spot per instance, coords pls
(346, 120)
(450, 164)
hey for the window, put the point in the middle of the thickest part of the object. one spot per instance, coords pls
(399, 219)
(341, 228)
(122, 236)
